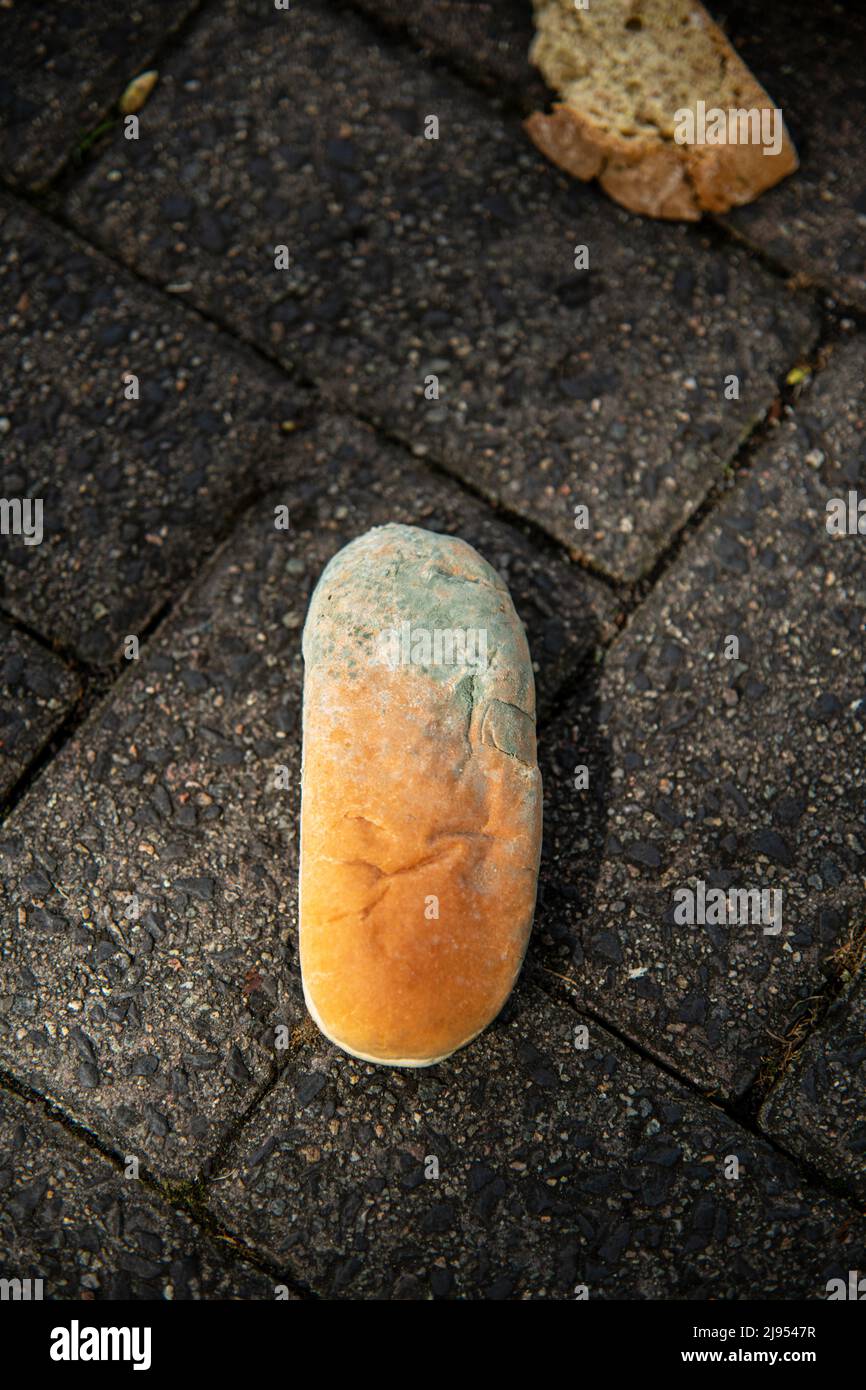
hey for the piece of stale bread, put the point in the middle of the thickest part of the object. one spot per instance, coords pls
(624, 72)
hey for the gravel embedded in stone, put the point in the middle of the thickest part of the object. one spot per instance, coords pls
(62, 69)
(73, 1220)
(135, 493)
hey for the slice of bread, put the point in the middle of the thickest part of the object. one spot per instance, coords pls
(623, 70)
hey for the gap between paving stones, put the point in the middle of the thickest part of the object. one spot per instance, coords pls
(798, 280)
(832, 334)
(744, 1111)
(531, 529)
(46, 755)
(79, 153)
(397, 33)
(37, 692)
(95, 683)
(848, 959)
(182, 1197)
(51, 210)
(818, 1104)
(148, 489)
(636, 595)
(56, 648)
(632, 594)
(631, 597)
(98, 682)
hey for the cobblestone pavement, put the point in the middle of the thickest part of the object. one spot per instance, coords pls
(669, 1107)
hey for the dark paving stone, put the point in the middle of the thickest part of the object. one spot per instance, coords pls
(135, 492)
(810, 58)
(486, 40)
(70, 1218)
(63, 67)
(741, 774)
(152, 1021)
(452, 258)
(36, 691)
(556, 1167)
(817, 1110)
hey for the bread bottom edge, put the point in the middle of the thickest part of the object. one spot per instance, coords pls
(380, 1061)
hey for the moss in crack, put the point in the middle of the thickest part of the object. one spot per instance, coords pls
(190, 1197)
(89, 139)
(842, 965)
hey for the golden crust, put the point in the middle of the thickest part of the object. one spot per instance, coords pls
(568, 141)
(727, 176)
(648, 177)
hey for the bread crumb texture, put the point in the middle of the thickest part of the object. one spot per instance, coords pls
(421, 799)
(622, 69)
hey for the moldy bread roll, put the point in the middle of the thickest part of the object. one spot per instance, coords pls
(421, 797)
